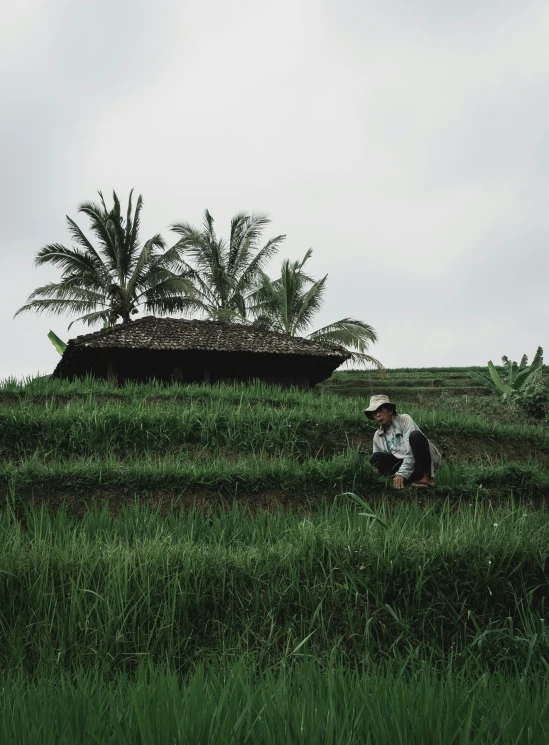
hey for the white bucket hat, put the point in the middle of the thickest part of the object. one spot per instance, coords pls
(375, 403)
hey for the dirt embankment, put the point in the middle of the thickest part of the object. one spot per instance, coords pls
(266, 500)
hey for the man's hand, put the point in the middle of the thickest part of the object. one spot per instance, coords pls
(398, 482)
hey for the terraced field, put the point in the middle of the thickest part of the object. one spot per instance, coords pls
(408, 385)
(221, 565)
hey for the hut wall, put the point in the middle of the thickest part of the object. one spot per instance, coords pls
(200, 366)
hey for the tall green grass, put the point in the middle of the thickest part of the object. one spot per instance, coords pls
(408, 394)
(89, 386)
(246, 475)
(298, 706)
(355, 584)
(229, 476)
(413, 371)
(405, 381)
(83, 429)
(46, 385)
(378, 621)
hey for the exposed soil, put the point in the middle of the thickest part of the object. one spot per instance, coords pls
(453, 448)
(459, 448)
(267, 500)
(406, 393)
(76, 504)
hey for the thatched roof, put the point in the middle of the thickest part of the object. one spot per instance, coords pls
(153, 333)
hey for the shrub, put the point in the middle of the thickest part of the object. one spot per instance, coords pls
(533, 400)
(518, 377)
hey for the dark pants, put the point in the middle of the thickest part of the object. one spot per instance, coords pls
(388, 464)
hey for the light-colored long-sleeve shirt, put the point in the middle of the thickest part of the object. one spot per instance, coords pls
(396, 440)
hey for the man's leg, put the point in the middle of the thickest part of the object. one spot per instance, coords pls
(419, 446)
(385, 463)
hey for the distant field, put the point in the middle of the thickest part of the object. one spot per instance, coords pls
(407, 385)
(221, 564)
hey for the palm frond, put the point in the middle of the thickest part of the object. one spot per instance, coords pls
(117, 206)
(71, 287)
(268, 300)
(309, 305)
(208, 227)
(238, 304)
(112, 279)
(290, 302)
(68, 259)
(249, 275)
(58, 306)
(243, 243)
(165, 303)
(224, 315)
(129, 221)
(352, 334)
(283, 299)
(171, 284)
(90, 319)
(346, 330)
(94, 257)
(193, 244)
(223, 273)
(264, 323)
(103, 204)
(98, 217)
(239, 224)
(304, 260)
(254, 227)
(359, 358)
(130, 230)
(171, 260)
(142, 265)
(114, 224)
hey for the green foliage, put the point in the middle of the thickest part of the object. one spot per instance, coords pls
(518, 377)
(236, 420)
(116, 279)
(513, 368)
(299, 704)
(200, 273)
(219, 476)
(216, 617)
(57, 342)
(213, 474)
(289, 304)
(223, 273)
(103, 592)
(533, 400)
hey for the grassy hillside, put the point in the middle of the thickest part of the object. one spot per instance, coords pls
(407, 384)
(222, 565)
(78, 441)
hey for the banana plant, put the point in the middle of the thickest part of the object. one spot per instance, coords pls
(519, 375)
(57, 342)
(512, 368)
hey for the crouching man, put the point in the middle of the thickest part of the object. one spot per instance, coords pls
(400, 448)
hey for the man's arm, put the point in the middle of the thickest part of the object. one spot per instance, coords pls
(378, 447)
(408, 464)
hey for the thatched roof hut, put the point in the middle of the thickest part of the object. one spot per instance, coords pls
(171, 349)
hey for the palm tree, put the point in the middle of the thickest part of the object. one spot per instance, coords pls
(116, 279)
(289, 304)
(222, 273)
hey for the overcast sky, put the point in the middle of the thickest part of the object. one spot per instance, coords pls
(406, 143)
